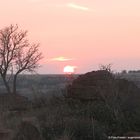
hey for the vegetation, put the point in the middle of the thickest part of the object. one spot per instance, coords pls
(111, 101)
(16, 55)
(113, 110)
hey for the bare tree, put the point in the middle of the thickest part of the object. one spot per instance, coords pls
(106, 67)
(16, 55)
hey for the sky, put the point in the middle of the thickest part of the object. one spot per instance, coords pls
(79, 33)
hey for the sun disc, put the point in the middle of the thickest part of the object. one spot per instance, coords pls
(69, 69)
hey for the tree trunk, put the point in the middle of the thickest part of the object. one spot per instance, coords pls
(6, 84)
(15, 84)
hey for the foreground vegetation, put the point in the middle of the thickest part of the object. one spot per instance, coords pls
(113, 110)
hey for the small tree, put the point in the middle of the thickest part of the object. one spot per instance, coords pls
(106, 67)
(16, 55)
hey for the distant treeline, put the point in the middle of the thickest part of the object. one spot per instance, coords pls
(130, 71)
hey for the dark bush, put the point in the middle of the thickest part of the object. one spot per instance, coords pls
(113, 101)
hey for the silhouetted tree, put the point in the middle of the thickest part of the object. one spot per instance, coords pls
(124, 72)
(16, 55)
(106, 67)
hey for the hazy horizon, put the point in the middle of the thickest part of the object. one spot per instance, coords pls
(82, 34)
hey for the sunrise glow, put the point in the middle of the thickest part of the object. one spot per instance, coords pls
(84, 33)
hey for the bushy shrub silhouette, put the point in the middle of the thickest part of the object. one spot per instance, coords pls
(113, 101)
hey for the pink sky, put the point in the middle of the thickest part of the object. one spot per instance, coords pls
(81, 33)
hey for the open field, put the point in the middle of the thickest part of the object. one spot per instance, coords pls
(29, 85)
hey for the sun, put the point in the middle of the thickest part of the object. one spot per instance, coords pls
(69, 69)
